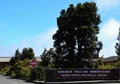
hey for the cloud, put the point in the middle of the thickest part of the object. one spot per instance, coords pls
(108, 50)
(109, 30)
(38, 42)
(107, 4)
(108, 35)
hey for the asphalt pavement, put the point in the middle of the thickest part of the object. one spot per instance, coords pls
(9, 80)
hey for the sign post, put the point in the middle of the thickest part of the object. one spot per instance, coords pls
(33, 63)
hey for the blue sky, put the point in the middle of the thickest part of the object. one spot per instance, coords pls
(31, 23)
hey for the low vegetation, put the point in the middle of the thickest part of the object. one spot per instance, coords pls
(113, 65)
(20, 66)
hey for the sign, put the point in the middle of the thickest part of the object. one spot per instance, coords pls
(33, 63)
(83, 74)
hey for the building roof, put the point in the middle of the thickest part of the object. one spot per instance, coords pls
(7, 59)
(111, 59)
(38, 59)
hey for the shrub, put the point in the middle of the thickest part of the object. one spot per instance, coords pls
(117, 65)
(21, 69)
(25, 72)
(108, 66)
(5, 70)
(33, 74)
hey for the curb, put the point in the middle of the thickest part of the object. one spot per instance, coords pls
(82, 82)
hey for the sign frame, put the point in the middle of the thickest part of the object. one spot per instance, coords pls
(81, 74)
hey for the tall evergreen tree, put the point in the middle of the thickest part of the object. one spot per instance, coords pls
(76, 37)
(27, 53)
(17, 55)
(12, 61)
(117, 47)
(46, 56)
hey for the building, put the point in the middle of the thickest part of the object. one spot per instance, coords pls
(4, 61)
(110, 59)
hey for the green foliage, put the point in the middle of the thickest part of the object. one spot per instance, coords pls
(117, 65)
(27, 53)
(51, 65)
(18, 56)
(117, 47)
(76, 37)
(12, 61)
(37, 73)
(5, 70)
(108, 66)
(15, 58)
(33, 74)
(46, 56)
(20, 66)
(99, 62)
(21, 69)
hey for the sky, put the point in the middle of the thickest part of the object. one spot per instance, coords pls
(31, 23)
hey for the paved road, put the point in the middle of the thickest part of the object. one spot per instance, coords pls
(9, 80)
